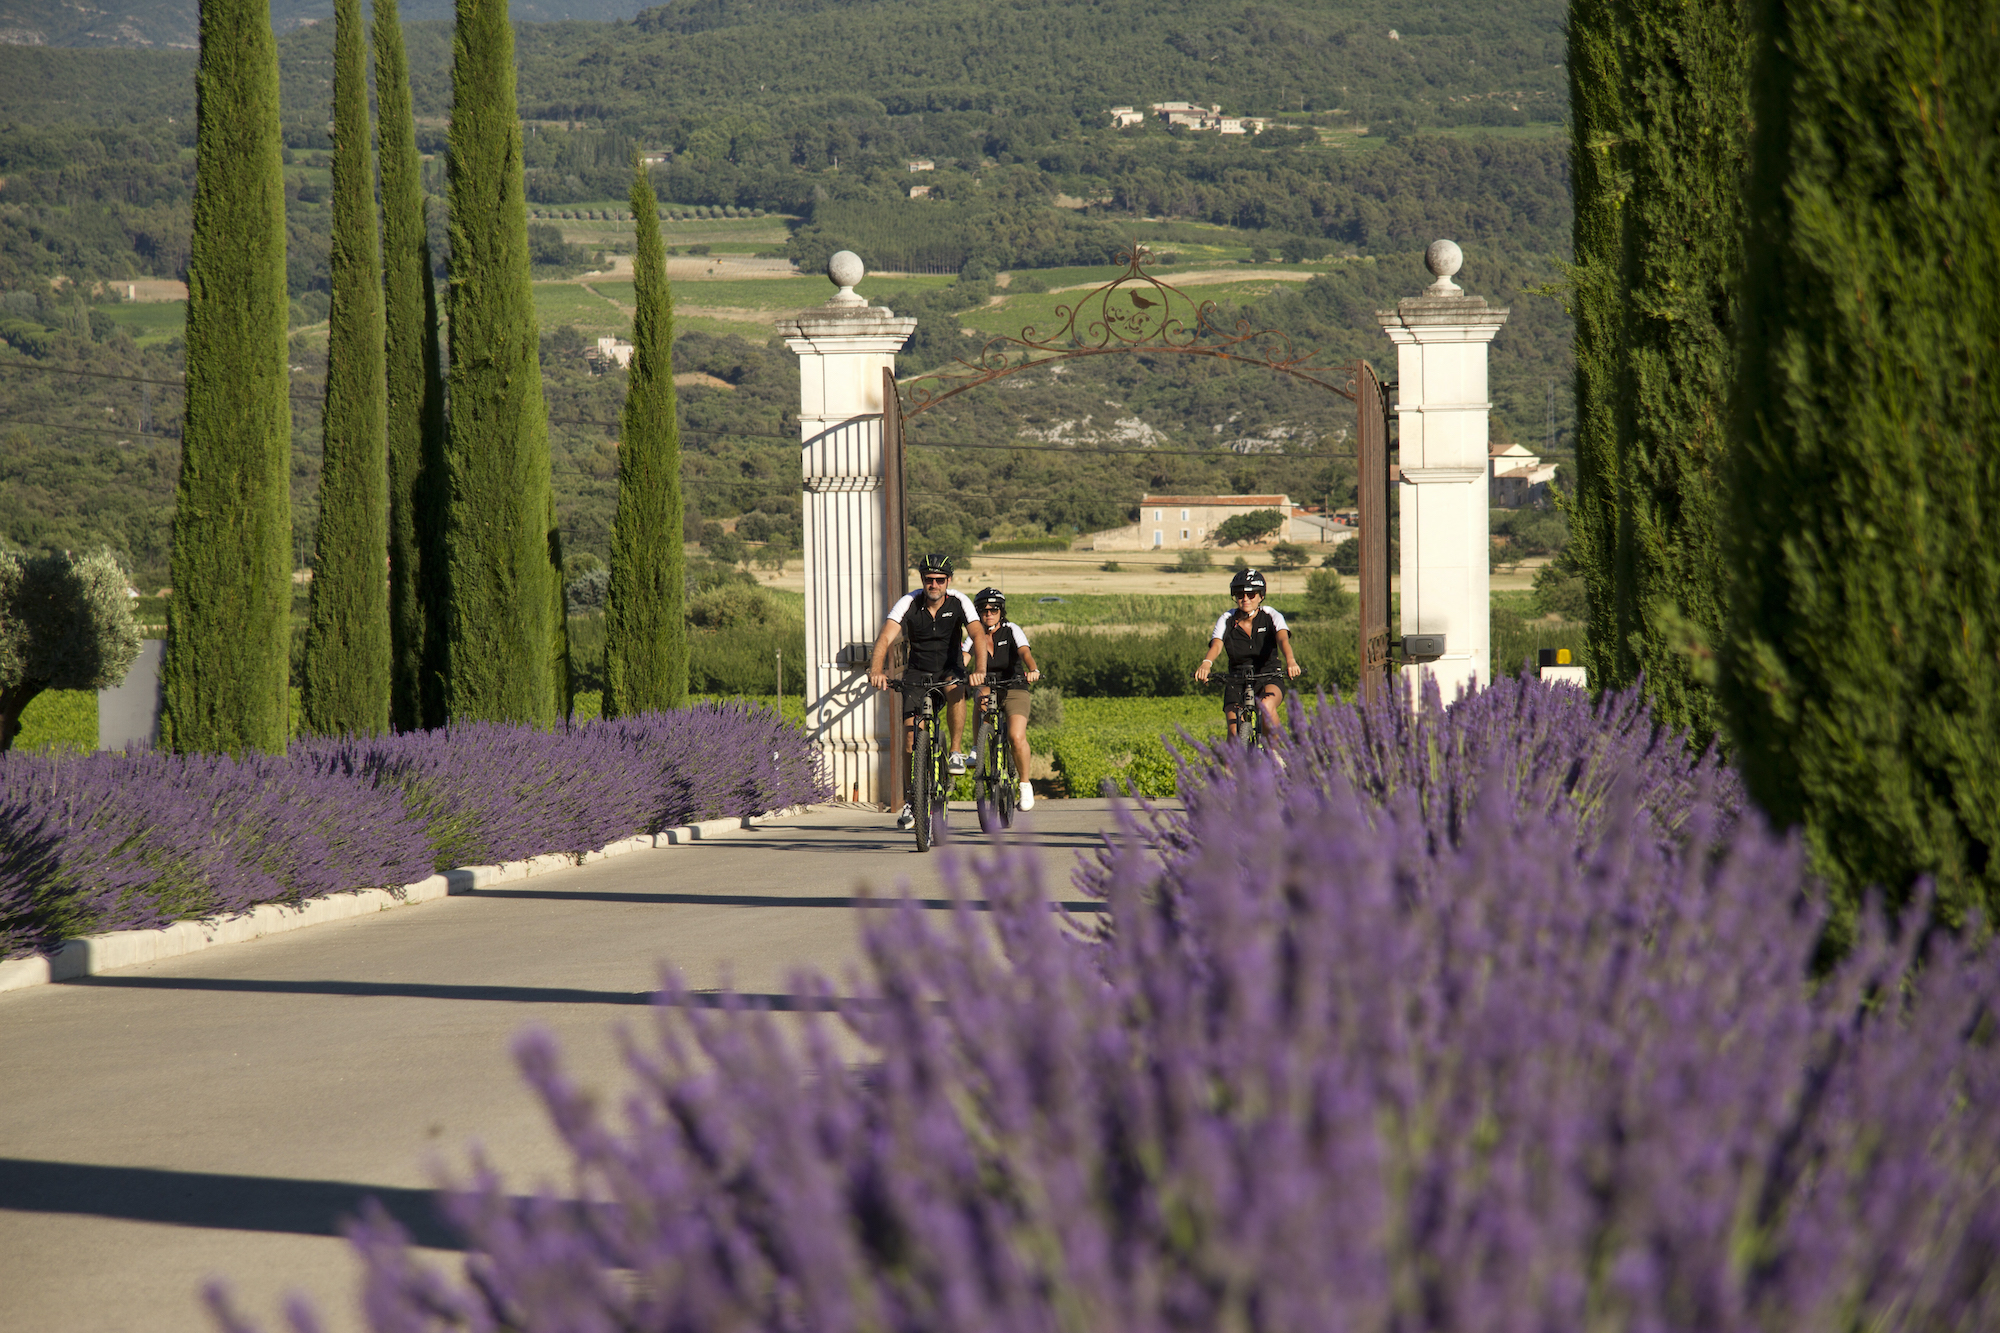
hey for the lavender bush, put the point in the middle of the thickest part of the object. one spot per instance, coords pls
(115, 842)
(1493, 1018)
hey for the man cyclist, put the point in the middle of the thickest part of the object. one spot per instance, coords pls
(1253, 635)
(1010, 657)
(932, 620)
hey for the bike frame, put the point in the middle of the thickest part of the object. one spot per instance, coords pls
(996, 784)
(1249, 715)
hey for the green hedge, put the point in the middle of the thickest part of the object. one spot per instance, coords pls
(65, 719)
(1140, 665)
(1026, 546)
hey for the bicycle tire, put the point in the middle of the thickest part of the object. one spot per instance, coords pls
(1010, 791)
(921, 787)
(986, 784)
(940, 793)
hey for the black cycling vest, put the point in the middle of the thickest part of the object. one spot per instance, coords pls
(1005, 659)
(1255, 647)
(933, 639)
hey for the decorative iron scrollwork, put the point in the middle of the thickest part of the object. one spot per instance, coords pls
(1134, 312)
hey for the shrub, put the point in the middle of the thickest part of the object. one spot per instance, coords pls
(1045, 706)
(65, 624)
(115, 842)
(1026, 545)
(1083, 764)
(1288, 555)
(1193, 561)
(1111, 567)
(1327, 596)
(59, 719)
(1525, 1032)
(586, 592)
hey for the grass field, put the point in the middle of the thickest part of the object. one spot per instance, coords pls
(558, 303)
(150, 322)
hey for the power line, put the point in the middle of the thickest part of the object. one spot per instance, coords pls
(736, 434)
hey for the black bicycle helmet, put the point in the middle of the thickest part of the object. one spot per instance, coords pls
(986, 597)
(1246, 580)
(935, 563)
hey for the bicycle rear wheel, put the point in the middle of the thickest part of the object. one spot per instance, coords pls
(921, 788)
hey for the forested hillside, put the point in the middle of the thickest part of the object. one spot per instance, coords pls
(1391, 127)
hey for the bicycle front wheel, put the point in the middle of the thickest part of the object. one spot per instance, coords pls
(987, 785)
(940, 790)
(922, 788)
(1009, 785)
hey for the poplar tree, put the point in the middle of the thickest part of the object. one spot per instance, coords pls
(1661, 126)
(345, 690)
(225, 683)
(416, 400)
(506, 635)
(1861, 673)
(645, 623)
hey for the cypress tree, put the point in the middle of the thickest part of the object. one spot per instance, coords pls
(416, 401)
(1661, 130)
(225, 683)
(645, 664)
(1861, 673)
(505, 630)
(1598, 172)
(345, 690)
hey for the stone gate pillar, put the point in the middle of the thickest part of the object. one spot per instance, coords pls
(843, 348)
(1441, 339)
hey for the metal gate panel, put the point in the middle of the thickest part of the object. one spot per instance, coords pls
(895, 508)
(1371, 402)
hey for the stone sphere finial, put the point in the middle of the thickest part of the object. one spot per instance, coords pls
(1443, 259)
(846, 269)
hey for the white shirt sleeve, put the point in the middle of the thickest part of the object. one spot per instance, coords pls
(1020, 635)
(1277, 618)
(965, 604)
(902, 606)
(1221, 626)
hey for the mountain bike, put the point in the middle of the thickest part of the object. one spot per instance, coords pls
(927, 776)
(1239, 691)
(996, 786)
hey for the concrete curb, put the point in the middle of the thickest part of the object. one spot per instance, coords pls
(88, 955)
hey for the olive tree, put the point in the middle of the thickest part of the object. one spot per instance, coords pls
(65, 624)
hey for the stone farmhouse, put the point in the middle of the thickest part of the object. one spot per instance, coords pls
(1188, 522)
(1192, 115)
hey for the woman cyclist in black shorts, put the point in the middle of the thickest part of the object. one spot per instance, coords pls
(1253, 635)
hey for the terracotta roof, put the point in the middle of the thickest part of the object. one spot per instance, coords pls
(1255, 501)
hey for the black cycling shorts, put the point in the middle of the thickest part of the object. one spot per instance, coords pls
(915, 681)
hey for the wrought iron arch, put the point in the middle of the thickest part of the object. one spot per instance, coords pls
(1133, 313)
(1137, 313)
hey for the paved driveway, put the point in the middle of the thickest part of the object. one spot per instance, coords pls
(216, 1114)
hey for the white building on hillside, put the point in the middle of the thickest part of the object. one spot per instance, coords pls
(1517, 478)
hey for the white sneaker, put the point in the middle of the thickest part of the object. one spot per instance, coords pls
(906, 819)
(1027, 795)
(958, 763)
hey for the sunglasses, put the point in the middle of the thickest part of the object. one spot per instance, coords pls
(928, 580)
(1253, 596)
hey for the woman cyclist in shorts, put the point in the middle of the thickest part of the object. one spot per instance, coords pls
(1008, 658)
(1253, 635)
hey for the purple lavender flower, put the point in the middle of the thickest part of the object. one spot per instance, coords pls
(118, 842)
(1489, 1018)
